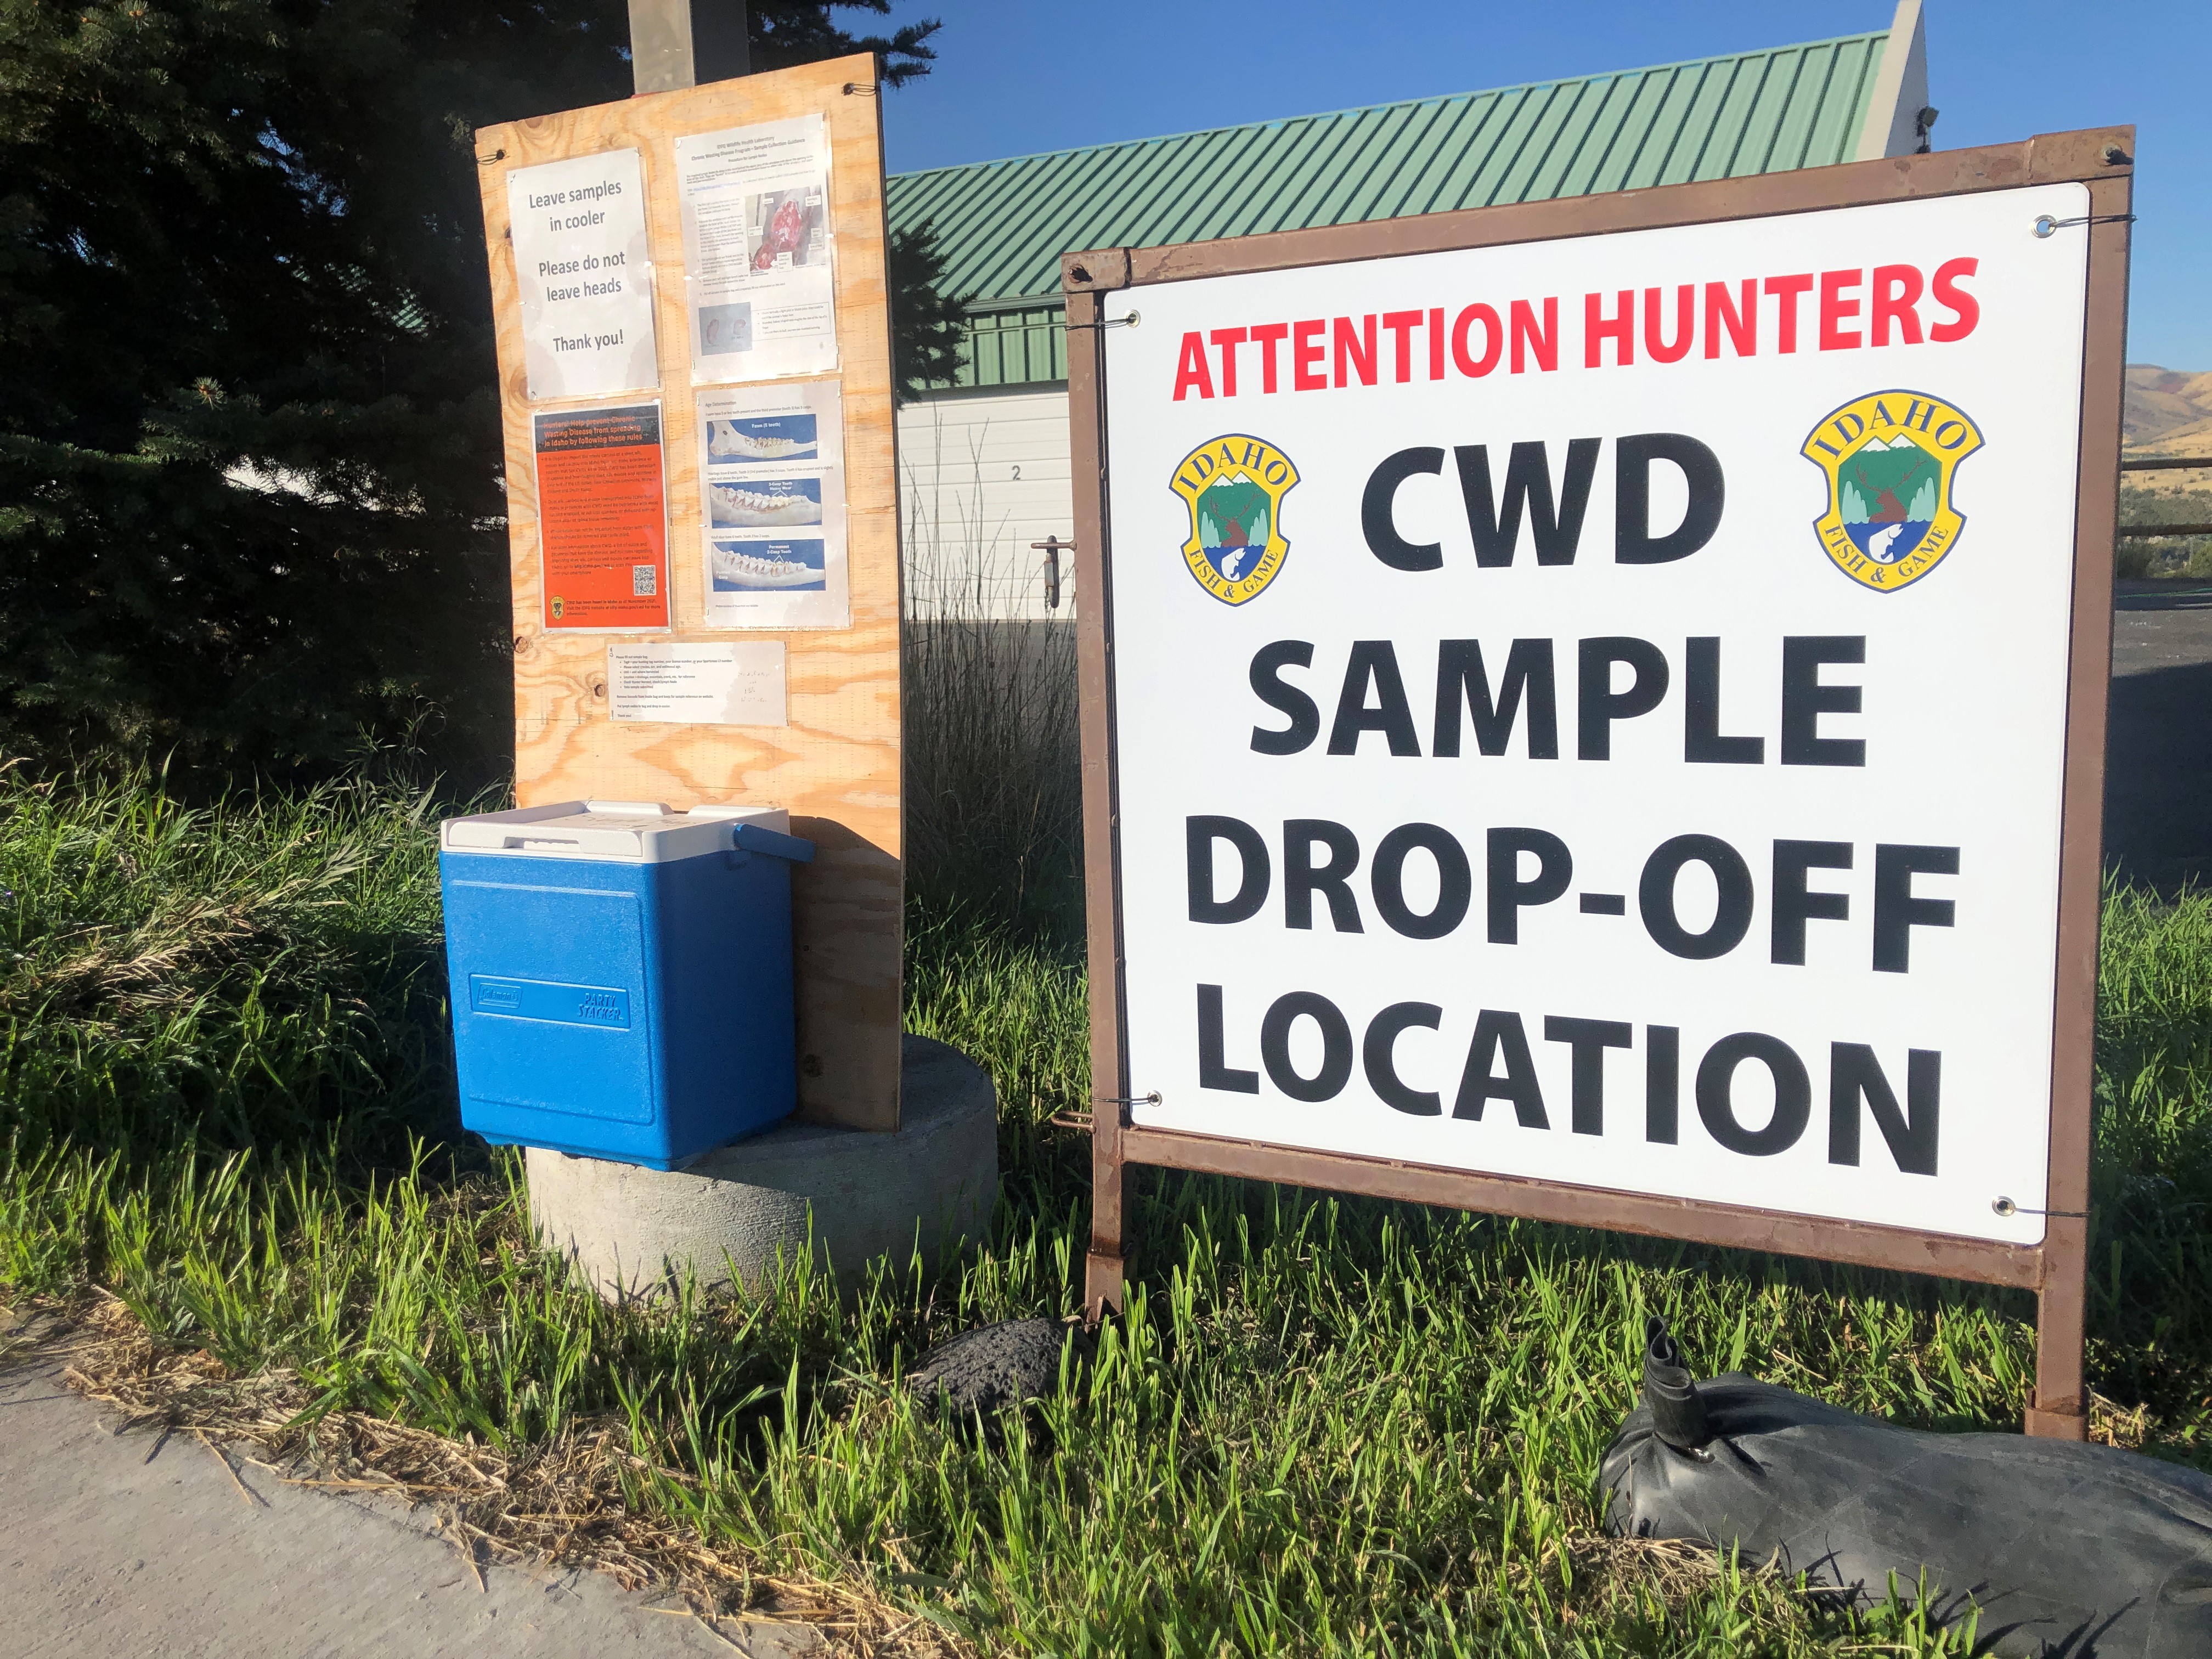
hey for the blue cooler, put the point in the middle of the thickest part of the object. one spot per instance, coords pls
(622, 976)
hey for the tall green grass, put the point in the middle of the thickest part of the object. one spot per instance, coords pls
(240, 973)
(1324, 1425)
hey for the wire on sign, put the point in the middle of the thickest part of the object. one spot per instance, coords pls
(2045, 224)
(2005, 1206)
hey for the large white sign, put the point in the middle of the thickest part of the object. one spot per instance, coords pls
(1594, 710)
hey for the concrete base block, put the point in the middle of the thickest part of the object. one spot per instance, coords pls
(934, 1182)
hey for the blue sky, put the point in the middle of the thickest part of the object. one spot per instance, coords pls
(1016, 77)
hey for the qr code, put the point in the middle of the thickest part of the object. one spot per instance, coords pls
(644, 580)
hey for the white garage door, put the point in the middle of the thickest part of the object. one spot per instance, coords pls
(983, 475)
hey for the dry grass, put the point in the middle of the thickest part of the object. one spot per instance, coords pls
(565, 1503)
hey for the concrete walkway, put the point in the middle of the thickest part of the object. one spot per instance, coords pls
(132, 1544)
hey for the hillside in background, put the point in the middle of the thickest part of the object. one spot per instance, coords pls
(2168, 412)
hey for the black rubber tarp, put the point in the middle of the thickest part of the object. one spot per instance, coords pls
(2069, 1549)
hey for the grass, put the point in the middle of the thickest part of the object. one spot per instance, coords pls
(1323, 1427)
(2170, 558)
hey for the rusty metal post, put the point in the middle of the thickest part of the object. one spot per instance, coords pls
(1086, 384)
(2060, 1408)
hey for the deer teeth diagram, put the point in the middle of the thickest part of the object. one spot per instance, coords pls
(771, 507)
(726, 443)
(736, 507)
(736, 566)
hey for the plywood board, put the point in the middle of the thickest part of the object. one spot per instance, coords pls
(835, 765)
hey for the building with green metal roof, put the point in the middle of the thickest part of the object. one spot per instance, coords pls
(985, 461)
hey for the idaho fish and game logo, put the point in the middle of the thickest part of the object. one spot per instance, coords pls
(1892, 458)
(1234, 486)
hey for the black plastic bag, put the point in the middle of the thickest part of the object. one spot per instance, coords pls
(2066, 1548)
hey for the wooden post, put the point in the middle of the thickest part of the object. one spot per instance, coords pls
(674, 44)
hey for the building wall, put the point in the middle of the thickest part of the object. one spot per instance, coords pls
(981, 475)
(1014, 342)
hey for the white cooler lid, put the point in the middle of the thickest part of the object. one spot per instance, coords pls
(613, 831)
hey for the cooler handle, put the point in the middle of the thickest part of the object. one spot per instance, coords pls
(752, 838)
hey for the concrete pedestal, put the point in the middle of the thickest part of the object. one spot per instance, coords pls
(631, 1230)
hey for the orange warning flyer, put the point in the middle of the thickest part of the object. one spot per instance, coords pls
(602, 518)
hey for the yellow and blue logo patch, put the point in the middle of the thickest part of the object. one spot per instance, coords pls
(1234, 486)
(1890, 460)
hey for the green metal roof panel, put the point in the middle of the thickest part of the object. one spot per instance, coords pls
(1002, 226)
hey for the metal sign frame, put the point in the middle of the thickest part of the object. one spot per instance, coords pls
(2055, 1269)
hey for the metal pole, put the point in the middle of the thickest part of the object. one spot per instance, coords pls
(681, 43)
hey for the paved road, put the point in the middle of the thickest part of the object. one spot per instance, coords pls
(124, 1546)
(2158, 770)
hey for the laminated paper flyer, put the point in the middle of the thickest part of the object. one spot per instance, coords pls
(695, 685)
(772, 507)
(585, 276)
(754, 204)
(602, 519)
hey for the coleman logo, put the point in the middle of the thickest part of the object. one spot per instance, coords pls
(1234, 487)
(1890, 458)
